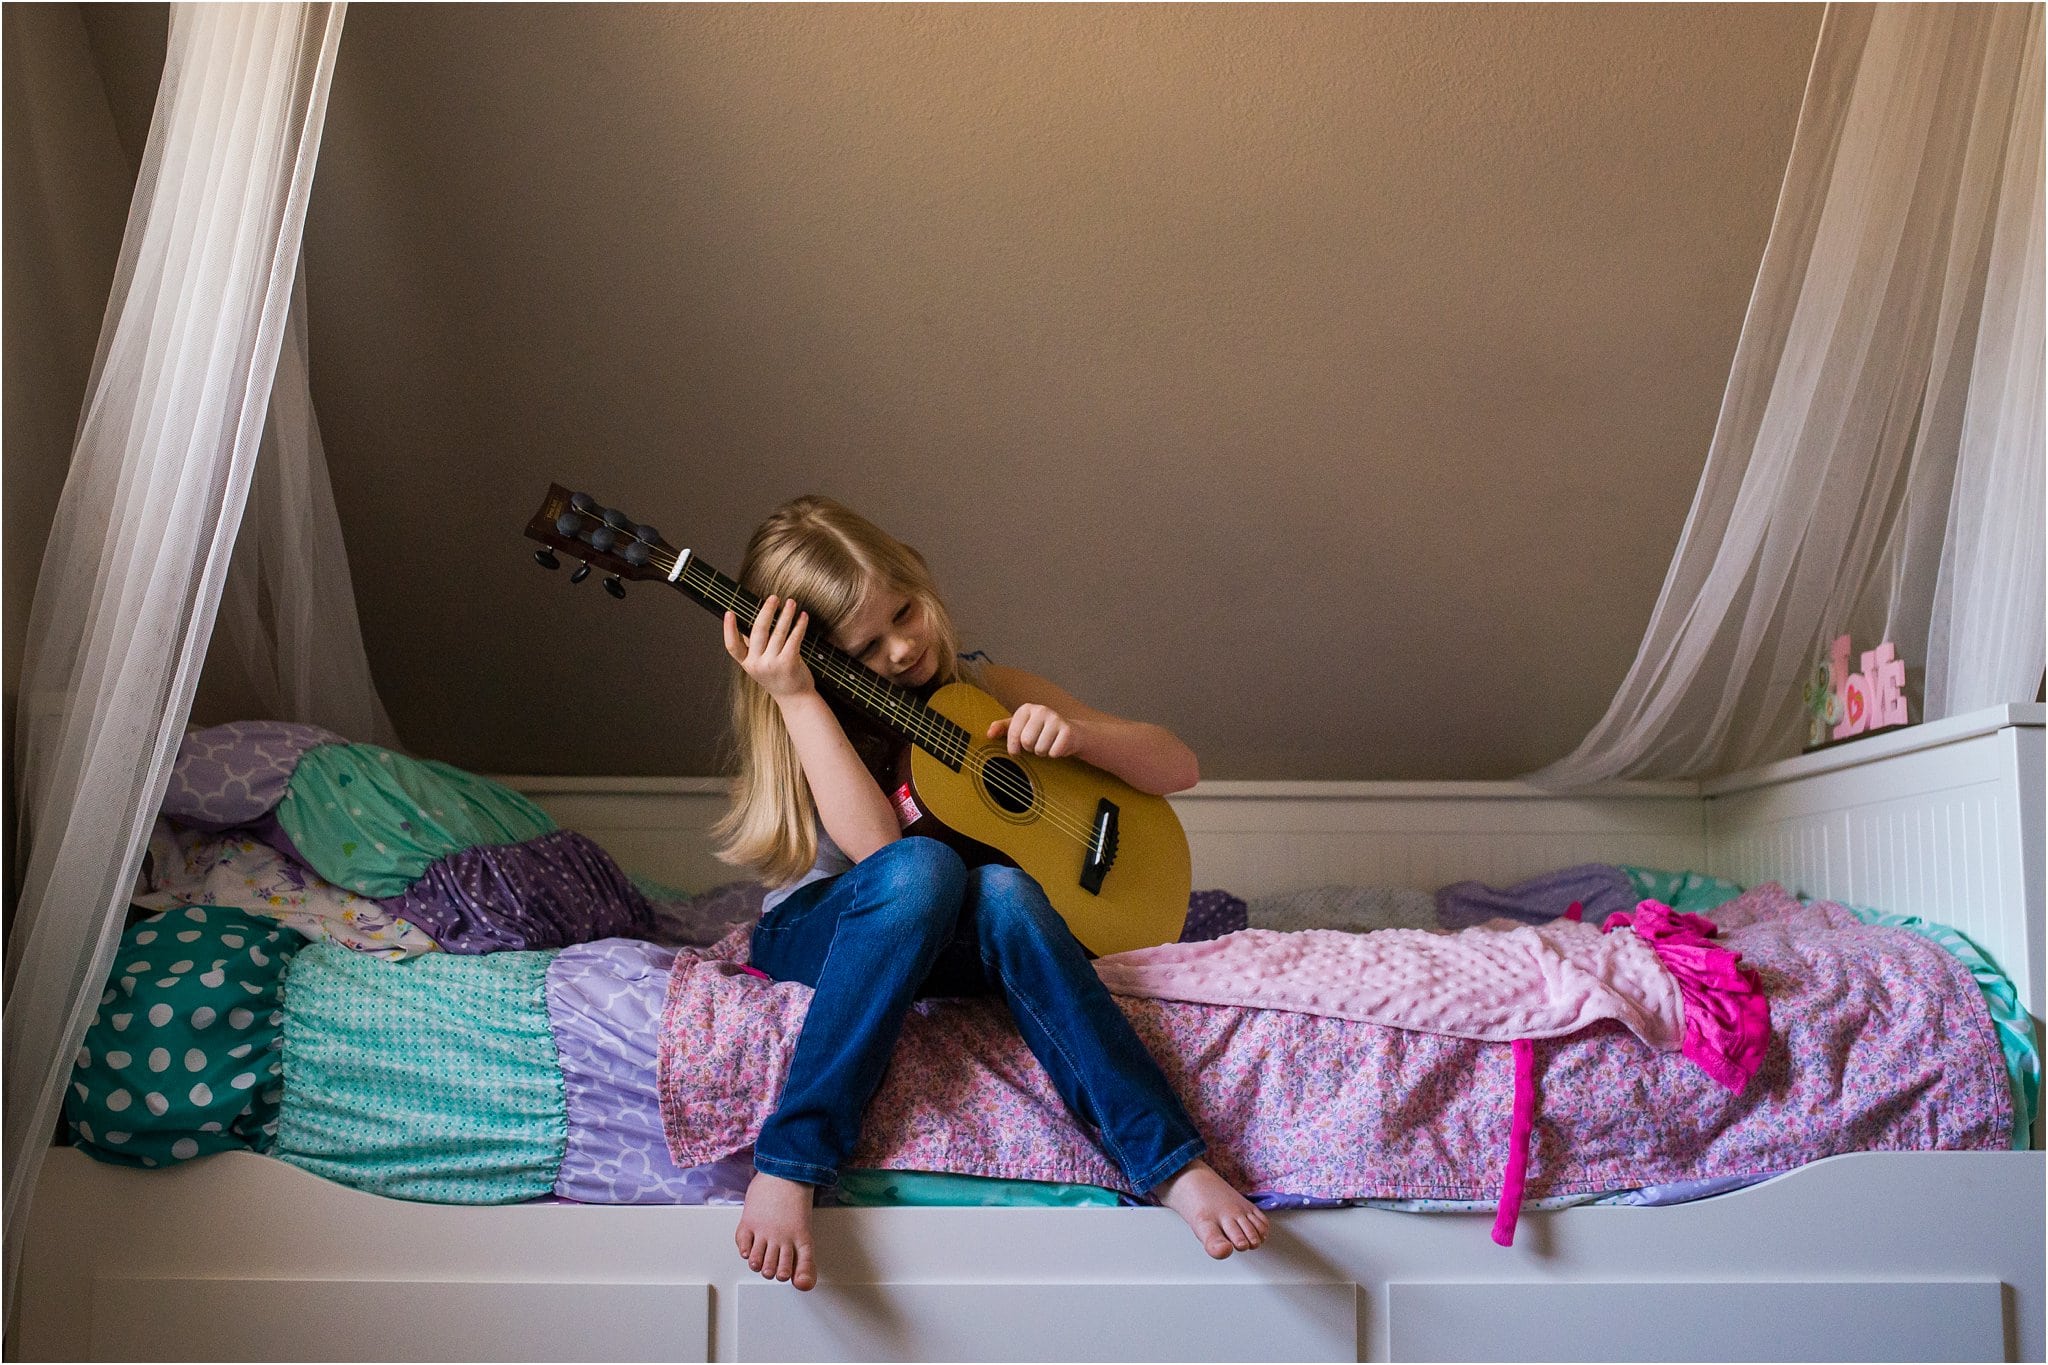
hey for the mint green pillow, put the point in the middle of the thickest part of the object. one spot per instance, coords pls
(432, 1078)
(373, 821)
(1692, 893)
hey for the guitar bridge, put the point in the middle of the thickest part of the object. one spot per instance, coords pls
(1101, 848)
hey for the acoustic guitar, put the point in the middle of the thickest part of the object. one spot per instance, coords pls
(1113, 860)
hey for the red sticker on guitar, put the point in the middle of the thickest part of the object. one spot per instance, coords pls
(907, 811)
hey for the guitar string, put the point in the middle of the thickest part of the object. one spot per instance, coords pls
(1064, 819)
(954, 744)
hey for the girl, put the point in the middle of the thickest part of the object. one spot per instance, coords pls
(872, 920)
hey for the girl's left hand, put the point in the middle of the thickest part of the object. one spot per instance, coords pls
(1036, 729)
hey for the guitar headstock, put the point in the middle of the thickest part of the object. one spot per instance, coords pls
(603, 538)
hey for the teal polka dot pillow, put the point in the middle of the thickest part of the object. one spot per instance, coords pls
(182, 1056)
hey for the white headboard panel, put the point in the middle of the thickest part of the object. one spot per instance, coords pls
(1248, 837)
(1942, 820)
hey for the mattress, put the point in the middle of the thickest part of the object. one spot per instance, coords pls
(473, 1006)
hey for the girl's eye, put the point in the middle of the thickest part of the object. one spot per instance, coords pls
(902, 613)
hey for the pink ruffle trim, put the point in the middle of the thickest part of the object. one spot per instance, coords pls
(1727, 1016)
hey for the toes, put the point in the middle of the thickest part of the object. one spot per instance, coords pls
(1214, 1241)
(785, 1262)
(744, 1240)
(806, 1273)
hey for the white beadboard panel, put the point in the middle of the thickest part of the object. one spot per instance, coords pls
(1282, 859)
(1942, 832)
(1250, 838)
(659, 828)
(2024, 760)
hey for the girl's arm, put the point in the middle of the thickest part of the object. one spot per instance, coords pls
(853, 809)
(1049, 720)
(855, 812)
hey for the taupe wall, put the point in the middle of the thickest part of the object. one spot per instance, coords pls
(1329, 383)
(65, 202)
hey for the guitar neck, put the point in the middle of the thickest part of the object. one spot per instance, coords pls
(895, 709)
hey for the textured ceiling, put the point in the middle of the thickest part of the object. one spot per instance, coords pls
(1329, 383)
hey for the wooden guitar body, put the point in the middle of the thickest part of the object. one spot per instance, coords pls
(1042, 813)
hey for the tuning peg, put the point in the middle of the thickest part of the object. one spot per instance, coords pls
(580, 574)
(546, 558)
(613, 586)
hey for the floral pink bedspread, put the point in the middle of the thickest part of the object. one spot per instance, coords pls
(1880, 1041)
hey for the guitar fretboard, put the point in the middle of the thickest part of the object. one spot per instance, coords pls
(895, 708)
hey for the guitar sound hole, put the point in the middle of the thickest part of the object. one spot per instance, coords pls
(1007, 784)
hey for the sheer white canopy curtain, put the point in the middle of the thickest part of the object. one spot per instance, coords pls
(1877, 465)
(179, 401)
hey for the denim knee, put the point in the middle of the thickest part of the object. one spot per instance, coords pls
(920, 886)
(1010, 901)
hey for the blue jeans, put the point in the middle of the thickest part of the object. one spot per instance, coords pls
(912, 920)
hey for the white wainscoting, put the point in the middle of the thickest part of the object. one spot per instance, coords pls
(1248, 837)
(1942, 820)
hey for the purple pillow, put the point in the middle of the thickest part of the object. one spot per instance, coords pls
(1212, 914)
(234, 774)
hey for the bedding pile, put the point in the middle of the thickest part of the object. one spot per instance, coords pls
(405, 978)
(1884, 1044)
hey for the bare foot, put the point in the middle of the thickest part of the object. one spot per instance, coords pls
(774, 1235)
(1220, 1216)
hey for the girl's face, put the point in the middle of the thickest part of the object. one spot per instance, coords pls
(890, 633)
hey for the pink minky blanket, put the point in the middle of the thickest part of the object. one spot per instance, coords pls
(1880, 1041)
(1652, 970)
(1497, 982)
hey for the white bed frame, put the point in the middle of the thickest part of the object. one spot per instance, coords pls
(1880, 1256)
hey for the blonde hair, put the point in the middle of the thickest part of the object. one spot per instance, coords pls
(832, 561)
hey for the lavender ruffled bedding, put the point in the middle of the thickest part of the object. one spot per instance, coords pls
(604, 1003)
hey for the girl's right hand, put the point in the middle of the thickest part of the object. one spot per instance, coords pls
(771, 652)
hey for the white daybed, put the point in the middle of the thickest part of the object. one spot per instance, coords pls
(1893, 1256)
